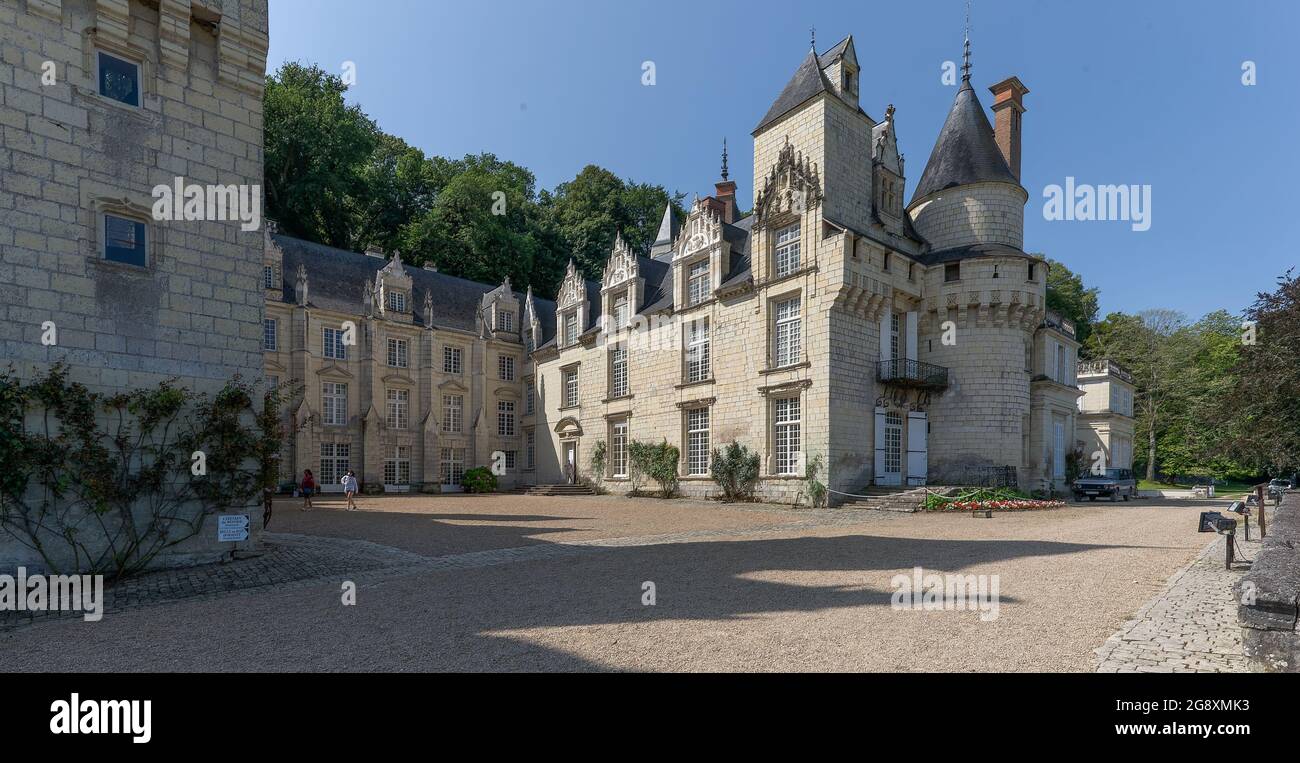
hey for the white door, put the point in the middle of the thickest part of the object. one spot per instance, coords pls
(917, 455)
(889, 448)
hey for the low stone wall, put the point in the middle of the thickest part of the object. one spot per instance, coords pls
(1269, 595)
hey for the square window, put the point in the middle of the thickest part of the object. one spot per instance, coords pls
(119, 79)
(952, 272)
(125, 240)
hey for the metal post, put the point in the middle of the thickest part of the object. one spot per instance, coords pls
(1229, 541)
(1263, 512)
(1246, 518)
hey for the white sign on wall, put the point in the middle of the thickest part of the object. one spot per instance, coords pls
(232, 527)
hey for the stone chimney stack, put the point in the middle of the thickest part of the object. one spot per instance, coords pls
(1008, 105)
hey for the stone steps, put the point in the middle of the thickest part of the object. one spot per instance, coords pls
(901, 499)
(560, 489)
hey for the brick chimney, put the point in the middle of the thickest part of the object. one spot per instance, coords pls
(725, 190)
(1008, 105)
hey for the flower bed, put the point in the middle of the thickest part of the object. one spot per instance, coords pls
(999, 499)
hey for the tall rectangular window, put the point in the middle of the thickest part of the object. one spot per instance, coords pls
(697, 282)
(787, 250)
(786, 433)
(268, 276)
(570, 329)
(398, 353)
(334, 403)
(571, 388)
(125, 240)
(618, 460)
(697, 350)
(895, 330)
(618, 371)
(620, 311)
(451, 360)
(453, 407)
(269, 332)
(530, 403)
(335, 460)
(505, 368)
(506, 418)
(697, 441)
(119, 79)
(397, 466)
(505, 320)
(453, 465)
(333, 343)
(399, 406)
(531, 453)
(397, 301)
(788, 326)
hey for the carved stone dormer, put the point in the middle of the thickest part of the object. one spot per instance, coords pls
(700, 245)
(793, 186)
(300, 286)
(393, 290)
(621, 284)
(530, 322)
(886, 170)
(572, 301)
(499, 311)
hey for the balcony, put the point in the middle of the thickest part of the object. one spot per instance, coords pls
(902, 372)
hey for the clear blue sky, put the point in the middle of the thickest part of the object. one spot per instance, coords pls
(1122, 92)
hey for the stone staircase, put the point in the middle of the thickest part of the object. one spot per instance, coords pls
(880, 498)
(556, 489)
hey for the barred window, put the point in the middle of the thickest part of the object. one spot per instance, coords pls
(697, 351)
(452, 407)
(787, 250)
(334, 403)
(451, 360)
(697, 282)
(505, 368)
(335, 460)
(697, 441)
(269, 331)
(333, 343)
(399, 405)
(571, 388)
(618, 449)
(786, 425)
(397, 467)
(397, 353)
(618, 371)
(506, 418)
(787, 332)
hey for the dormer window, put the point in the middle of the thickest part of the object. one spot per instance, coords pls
(786, 258)
(850, 81)
(570, 329)
(697, 281)
(505, 320)
(620, 311)
(268, 276)
(397, 301)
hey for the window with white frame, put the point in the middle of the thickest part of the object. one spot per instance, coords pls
(531, 452)
(530, 403)
(618, 458)
(117, 78)
(453, 465)
(570, 329)
(895, 331)
(697, 282)
(451, 360)
(398, 353)
(618, 371)
(697, 441)
(333, 343)
(697, 350)
(570, 387)
(334, 403)
(620, 311)
(505, 367)
(397, 301)
(788, 332)
(399, 406)
(786, 258)
(786, 434)
(453, 407)
(269, 333)
(397, 466)
(335, 460)
(505, 320)
(268, 276)
(506, 418)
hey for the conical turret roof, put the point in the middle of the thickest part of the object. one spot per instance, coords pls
(966, 151)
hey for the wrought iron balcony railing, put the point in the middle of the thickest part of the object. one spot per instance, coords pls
(904, 372)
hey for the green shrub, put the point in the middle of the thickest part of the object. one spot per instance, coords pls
(735, 471)
(658, 462)
(480, 479)
(816, 488)
(598, 459)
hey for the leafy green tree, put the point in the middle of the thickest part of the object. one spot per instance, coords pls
(398, 185)
(735, 471)
(1066, 295)
(316, 147)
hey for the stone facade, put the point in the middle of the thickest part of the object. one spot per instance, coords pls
(1106, 422)
(102, 100)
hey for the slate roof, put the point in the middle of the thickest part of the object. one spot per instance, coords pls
(336, 281)
(966, 150)
(808, 81)
(972, 251)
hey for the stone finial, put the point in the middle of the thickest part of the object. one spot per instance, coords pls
(300, 285)
(428, 307)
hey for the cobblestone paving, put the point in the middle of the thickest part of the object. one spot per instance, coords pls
(292, 560)
(1190, 626)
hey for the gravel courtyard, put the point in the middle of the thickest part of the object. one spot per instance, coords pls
(511, 582)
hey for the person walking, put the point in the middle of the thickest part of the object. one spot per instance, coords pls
(308, 487)
(350, 489)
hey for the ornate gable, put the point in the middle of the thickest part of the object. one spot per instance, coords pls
(622, 265)
(702, 230)
(792, 185)
(572, 290)
(392, 278)
(884, 144)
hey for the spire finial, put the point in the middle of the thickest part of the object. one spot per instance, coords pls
(965, 64)
(812, 37)
(724, 158)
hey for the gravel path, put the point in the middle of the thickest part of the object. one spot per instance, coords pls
(557, 584)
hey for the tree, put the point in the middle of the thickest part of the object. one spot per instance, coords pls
(315, 149)
(1067, 296)
(735, 470)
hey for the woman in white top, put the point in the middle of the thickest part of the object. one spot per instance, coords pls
(350, 489)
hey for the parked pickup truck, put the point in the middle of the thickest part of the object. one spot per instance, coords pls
(1278, 486)
(1115, 484)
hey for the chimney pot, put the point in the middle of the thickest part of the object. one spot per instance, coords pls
(1008, 105)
